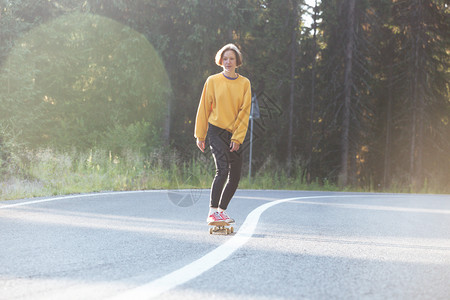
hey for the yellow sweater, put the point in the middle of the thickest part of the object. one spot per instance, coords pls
(224, 103)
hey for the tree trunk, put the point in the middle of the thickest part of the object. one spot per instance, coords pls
(415, 163)
(313, 92)
(387, 147)
(348, 82)
(167, 121)
(292, 89)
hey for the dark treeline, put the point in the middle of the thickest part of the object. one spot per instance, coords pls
(359, 96)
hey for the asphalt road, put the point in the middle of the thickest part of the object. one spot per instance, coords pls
(288, 245)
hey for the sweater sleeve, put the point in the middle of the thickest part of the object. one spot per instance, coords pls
(241, 123)
(203, 112)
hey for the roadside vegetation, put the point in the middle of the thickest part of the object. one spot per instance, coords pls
(46, 172)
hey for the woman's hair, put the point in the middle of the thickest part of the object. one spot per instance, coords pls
(219, 54)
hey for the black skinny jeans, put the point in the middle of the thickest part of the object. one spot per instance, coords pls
(228, 167)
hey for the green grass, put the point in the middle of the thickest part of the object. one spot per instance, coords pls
(47, 173)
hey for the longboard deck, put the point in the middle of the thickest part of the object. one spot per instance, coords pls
(220, 227)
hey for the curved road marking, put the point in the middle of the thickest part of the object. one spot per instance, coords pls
(77, 196)
(205, 263)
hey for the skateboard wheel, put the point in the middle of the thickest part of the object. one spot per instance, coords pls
(211, 230)
(228, 230)
(231, 229)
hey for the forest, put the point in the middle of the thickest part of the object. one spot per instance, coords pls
(353, 93)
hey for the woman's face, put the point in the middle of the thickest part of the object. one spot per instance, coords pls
(229, 61)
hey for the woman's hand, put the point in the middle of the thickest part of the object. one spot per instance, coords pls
(234, 146)
(201, 145)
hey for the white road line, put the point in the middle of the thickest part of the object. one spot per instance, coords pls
(76, 196)
(178, 277)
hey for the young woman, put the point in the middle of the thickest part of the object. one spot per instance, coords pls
(223, 115)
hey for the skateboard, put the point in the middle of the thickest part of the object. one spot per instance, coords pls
(220, 227)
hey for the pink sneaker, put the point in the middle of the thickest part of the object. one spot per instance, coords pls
(215, 217)
(226, 217)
